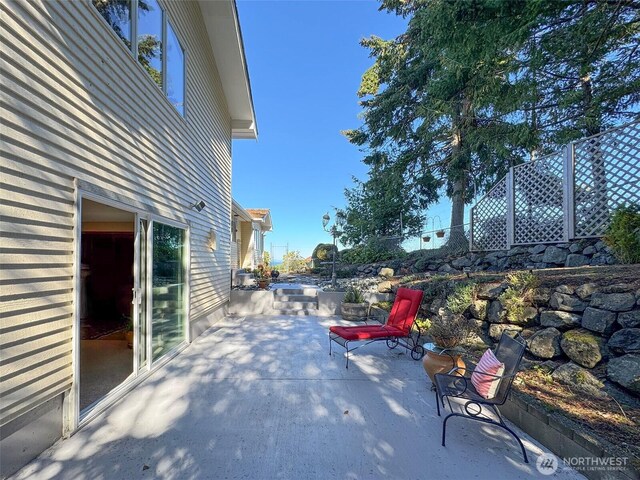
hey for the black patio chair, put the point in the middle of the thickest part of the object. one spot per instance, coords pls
(509, 351)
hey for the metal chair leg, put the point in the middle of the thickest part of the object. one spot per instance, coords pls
(437, 401)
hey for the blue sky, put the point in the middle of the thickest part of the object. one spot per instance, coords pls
(305, 64)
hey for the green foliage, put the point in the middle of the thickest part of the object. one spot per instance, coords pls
(353, 295)
(461, 298)
(523, 281)
(323, 253)
(384, 305)
(266, 258)
(450, 330)
(373, 250)
(518, 294)
(293, 262)
(623, 234)
(423, 325)
(472, 87)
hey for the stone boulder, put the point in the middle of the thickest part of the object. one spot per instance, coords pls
(496, 329)
(490, 291)
(527, 319)
(586, 290)
(555, 255)
(462, 262)
(590, 250)
(615, 302)
(559, 319)
(597, 320)
(386, 272)
(496, 312)
(579, 379)
(385, 287)
(625, 371)
(541, 297)
(583, 347)
(478, 309)
(576, 260)
(566, 289)
(446, 268)
(545, 343)
(537, 249)
(629, 319)
(566, 303)
(626, 340)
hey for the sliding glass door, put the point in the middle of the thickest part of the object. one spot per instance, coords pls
(168, 287)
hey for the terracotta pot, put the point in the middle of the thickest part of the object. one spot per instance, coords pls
(441, 363)
(426, 239)
(440, 233)
(354, 311)
(262, 284)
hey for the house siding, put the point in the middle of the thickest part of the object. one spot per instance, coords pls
(77, 109)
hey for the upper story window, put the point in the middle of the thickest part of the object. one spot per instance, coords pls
(175, 70)
(150, 45)
(118, 15)
(156, 45)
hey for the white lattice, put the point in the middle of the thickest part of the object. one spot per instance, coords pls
(538, 197)
(606, 175)
(489, 219)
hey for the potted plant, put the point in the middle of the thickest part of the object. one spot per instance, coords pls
(426, 238)
(448, 331)
(354, 307)
(440, 233)
(261, 278)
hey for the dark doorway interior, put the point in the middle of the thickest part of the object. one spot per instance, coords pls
(107, 256)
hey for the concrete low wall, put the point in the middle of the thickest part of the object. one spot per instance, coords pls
(251, 302)
(329, 302)
(563, 439)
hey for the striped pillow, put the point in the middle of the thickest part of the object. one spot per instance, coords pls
(485, 385)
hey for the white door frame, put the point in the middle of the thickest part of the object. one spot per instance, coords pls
(72, 418)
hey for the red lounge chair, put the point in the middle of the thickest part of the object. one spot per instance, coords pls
(396, 331)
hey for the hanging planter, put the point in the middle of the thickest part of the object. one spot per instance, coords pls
(440, 233)
(426, 239)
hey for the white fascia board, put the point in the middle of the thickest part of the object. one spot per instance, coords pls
(225, 37)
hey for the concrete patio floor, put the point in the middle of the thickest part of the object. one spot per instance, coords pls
(260, 398)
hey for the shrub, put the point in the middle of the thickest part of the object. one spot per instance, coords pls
(623, 234)
(518, 293)
(462, 297)
(423, 325)
(323, 253)
(450, 330)
(353, 295)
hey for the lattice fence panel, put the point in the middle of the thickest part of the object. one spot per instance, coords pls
(489, 219)
(606, 175)
(538, 200)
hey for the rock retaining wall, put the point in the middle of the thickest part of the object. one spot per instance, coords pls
(589, 325)
(573, 254)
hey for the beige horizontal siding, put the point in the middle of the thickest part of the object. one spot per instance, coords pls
(76, 105)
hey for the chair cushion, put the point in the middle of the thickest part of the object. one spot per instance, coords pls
(366, 332)
(485, 385)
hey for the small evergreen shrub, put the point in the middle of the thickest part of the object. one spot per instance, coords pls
(518, 293)
(353, 295)
(623, 234)
(462, 297)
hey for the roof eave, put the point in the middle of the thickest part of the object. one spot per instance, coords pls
(225, 38)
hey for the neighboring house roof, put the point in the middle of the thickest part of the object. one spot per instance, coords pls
(226, 42)
(263, 215)
(237, 209)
